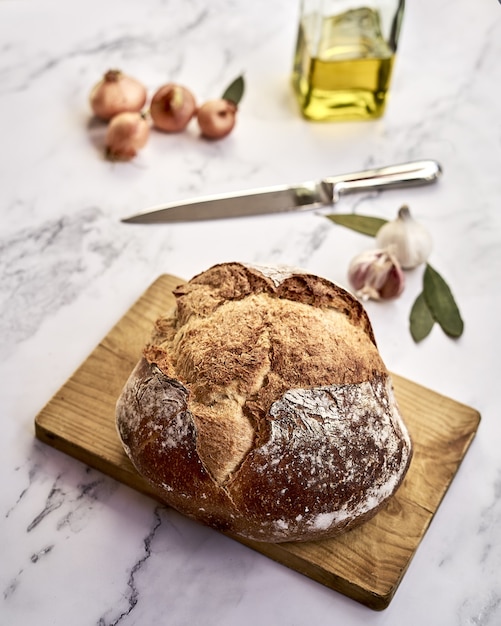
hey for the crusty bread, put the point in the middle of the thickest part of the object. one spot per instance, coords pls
(262, 407)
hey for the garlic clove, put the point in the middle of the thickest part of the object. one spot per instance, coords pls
(376, 275)
(407, 239)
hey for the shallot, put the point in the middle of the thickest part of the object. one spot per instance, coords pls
(117, 93)
(217, 118)
(126, 134)
(172, 107)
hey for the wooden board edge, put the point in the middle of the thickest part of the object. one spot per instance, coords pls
(128, 476)
(437, 394)
(277, 552)
(373, 599)
(280, 553)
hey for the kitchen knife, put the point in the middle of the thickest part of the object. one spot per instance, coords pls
(285, 198)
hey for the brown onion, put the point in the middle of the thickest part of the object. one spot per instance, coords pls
(126, 134)
(217, 118)
(116, 93)
(172, 107)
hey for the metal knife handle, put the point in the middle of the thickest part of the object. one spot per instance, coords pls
(391, 177)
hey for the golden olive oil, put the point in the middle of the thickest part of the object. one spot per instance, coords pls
(342, 67)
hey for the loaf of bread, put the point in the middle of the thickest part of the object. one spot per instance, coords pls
(262, 408)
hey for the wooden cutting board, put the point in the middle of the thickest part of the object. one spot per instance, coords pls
(366, 564)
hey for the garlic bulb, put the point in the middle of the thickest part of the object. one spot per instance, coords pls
(376, 275)
(407, 239)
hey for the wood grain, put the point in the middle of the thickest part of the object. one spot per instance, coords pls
(366, 564)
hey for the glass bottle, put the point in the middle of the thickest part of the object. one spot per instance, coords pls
(344, 57)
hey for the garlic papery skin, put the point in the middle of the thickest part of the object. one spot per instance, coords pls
(407, 239)
(376, 275)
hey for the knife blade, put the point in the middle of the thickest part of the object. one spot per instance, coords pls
(286, 198)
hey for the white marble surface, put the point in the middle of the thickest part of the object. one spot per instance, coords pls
(78, 548)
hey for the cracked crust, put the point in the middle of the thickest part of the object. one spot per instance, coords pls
(262, 407)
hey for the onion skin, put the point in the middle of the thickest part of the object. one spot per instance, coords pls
(217, 118)
(116, 93)
(126, 134)
(172, 108)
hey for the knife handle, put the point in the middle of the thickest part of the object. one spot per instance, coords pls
(390, 177)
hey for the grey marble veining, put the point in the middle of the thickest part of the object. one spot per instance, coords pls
(79, 548)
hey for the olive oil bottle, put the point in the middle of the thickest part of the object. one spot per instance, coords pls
(343, 63)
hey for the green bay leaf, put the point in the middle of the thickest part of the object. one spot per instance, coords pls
(441, 303)
(365, 224)
(420, 320)
(235, 90)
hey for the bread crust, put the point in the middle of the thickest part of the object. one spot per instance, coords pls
(262, 407)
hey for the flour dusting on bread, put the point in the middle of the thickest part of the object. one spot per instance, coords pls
(262, 407)
(277, 273)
